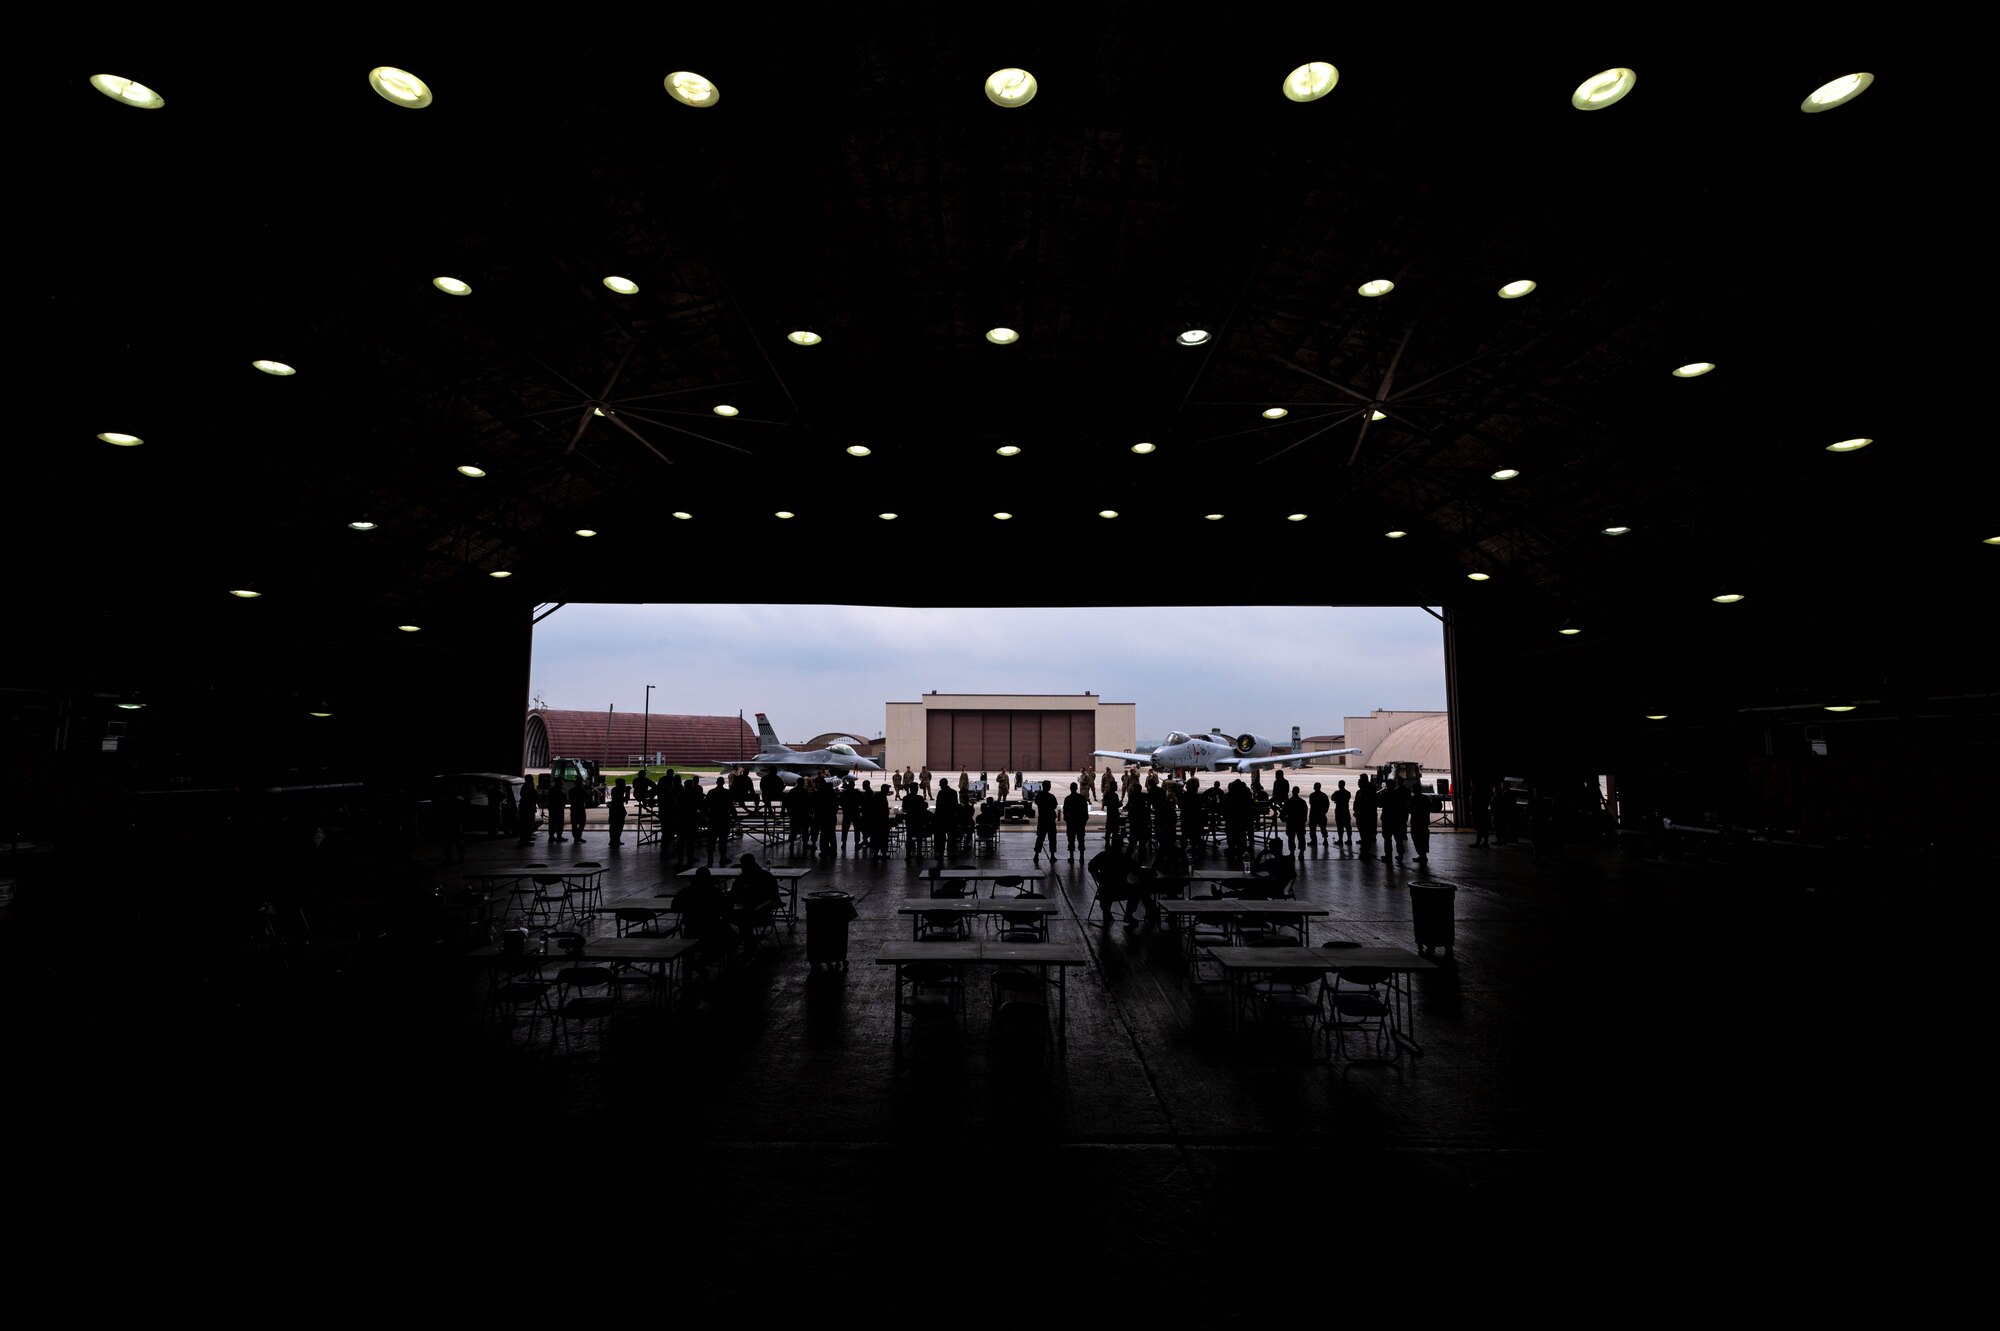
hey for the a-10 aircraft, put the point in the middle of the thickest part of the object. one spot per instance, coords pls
(1218, 752)
(790, 764)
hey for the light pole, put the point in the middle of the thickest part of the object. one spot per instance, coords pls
(607, 733)
(646, 731)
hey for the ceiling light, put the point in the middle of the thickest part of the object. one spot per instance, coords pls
(1842, 707)
(886, 517)
(1395, 535)
(1727, 598)
(1311, 81)
(1601, 90)
(1011, 87)
(362, 526)
(624, 286)
(682, 515)
(1516, 290)
(804, 337)
(499, 573)
(1656, 716)
(319, 713)
(1295, 517)
(1193, 337)
(1505, 474)
(1991, 540)
(1275, 413)
(409, 628)
(1008, 450)
(245, 593)
(451, 286)
(586, 531)
(399, 86)
(1616, 531)
(126, 92)
(1848, 445)
(1002, 336)
(1003, 516)
(135, 706)
(1144, 448)
(786, 513)
(1480, 577)
(1843, 89)
(1569, 633)
(1381, 286)
(597, 411)
(1107, 512)
(1694, 369)
(276, 367)
(859, 450)
(724, 409)
(473, 472)
(692, 89)
(122, 440)
(1378, 415)
(1213, 517)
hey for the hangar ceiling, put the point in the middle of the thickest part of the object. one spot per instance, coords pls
(857, 183)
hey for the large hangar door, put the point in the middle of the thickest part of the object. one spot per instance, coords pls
(937, 740)
(1013, 741)
(996, 752)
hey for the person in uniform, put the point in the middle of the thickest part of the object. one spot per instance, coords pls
(620, 793)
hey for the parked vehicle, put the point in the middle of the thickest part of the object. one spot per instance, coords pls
(492, 802)
(566, 772)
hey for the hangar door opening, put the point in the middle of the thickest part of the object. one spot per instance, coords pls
(989, 741)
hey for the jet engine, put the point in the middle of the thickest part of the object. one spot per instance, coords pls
(1252, 746)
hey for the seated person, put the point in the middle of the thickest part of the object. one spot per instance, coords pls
(704, 913)
(755, 897)
(1119, 878)
(1272, 873)
(988, 822)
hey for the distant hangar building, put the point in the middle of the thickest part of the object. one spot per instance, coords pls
(620, 739)
(992, 732)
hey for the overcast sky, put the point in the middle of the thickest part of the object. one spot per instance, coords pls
(813, 669)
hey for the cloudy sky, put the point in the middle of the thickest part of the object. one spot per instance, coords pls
(813, 669)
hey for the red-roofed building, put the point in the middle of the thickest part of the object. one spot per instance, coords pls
(620, 739)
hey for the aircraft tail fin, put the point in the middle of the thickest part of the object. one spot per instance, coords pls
(767, 738)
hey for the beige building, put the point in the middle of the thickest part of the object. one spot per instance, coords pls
(992, 732)
(1420, 737)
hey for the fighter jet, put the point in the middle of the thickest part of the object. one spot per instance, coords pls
(790, 764)
(1217, 753)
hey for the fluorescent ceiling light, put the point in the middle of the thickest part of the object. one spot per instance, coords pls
(1295, 517)
(1193, 337)
(276, 367)
(1213, 517)
(1275, 413)
(886, 517)
(1516, 290)
(1011, 87)
(410, 628)
(499, 573)
(1616, 531)
(1837, 93)
(1569, 633)
(399, 86)
(245, 593)
(1395, 535)
(624, 286)
(1378, 415)
(1656, 716)
(786, 513)
(1727, 598)
(1694, 369)
(1381, 286)
(1008, 450)
(724, 409)
(1505, 474)
(1848, 445)
(859, 450)
(1480, 577)
(682, 514)
(692, 89)
(1002, 336)
(1311, 81)
(319, 714)
(451, 286)
(1833, 707)
(1003, 516)
(474, 472)
(362, 526)
(122, 440)
(1601, 90)
(804, 337)
(586, 531)
(135, 706)
(1107, 512)
(127, 93)
(1143, 447)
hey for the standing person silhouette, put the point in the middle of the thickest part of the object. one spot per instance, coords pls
(1294, 812)
(620, 793)
(1003, 790)
(1364, 816)
(924, 780)
(579, 804)
(1343, 824)
(524, 815)
(1420, 825)
(1076, 817)
(719, 806)
(1317, 803)
(1045, 820)
(946, 815)
(1395, 819)
(553, 805)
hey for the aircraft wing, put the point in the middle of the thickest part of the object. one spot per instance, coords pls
(1245, 764)
(1146, 758)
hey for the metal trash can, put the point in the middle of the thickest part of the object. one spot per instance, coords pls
(827, 914)
(1431, 904)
